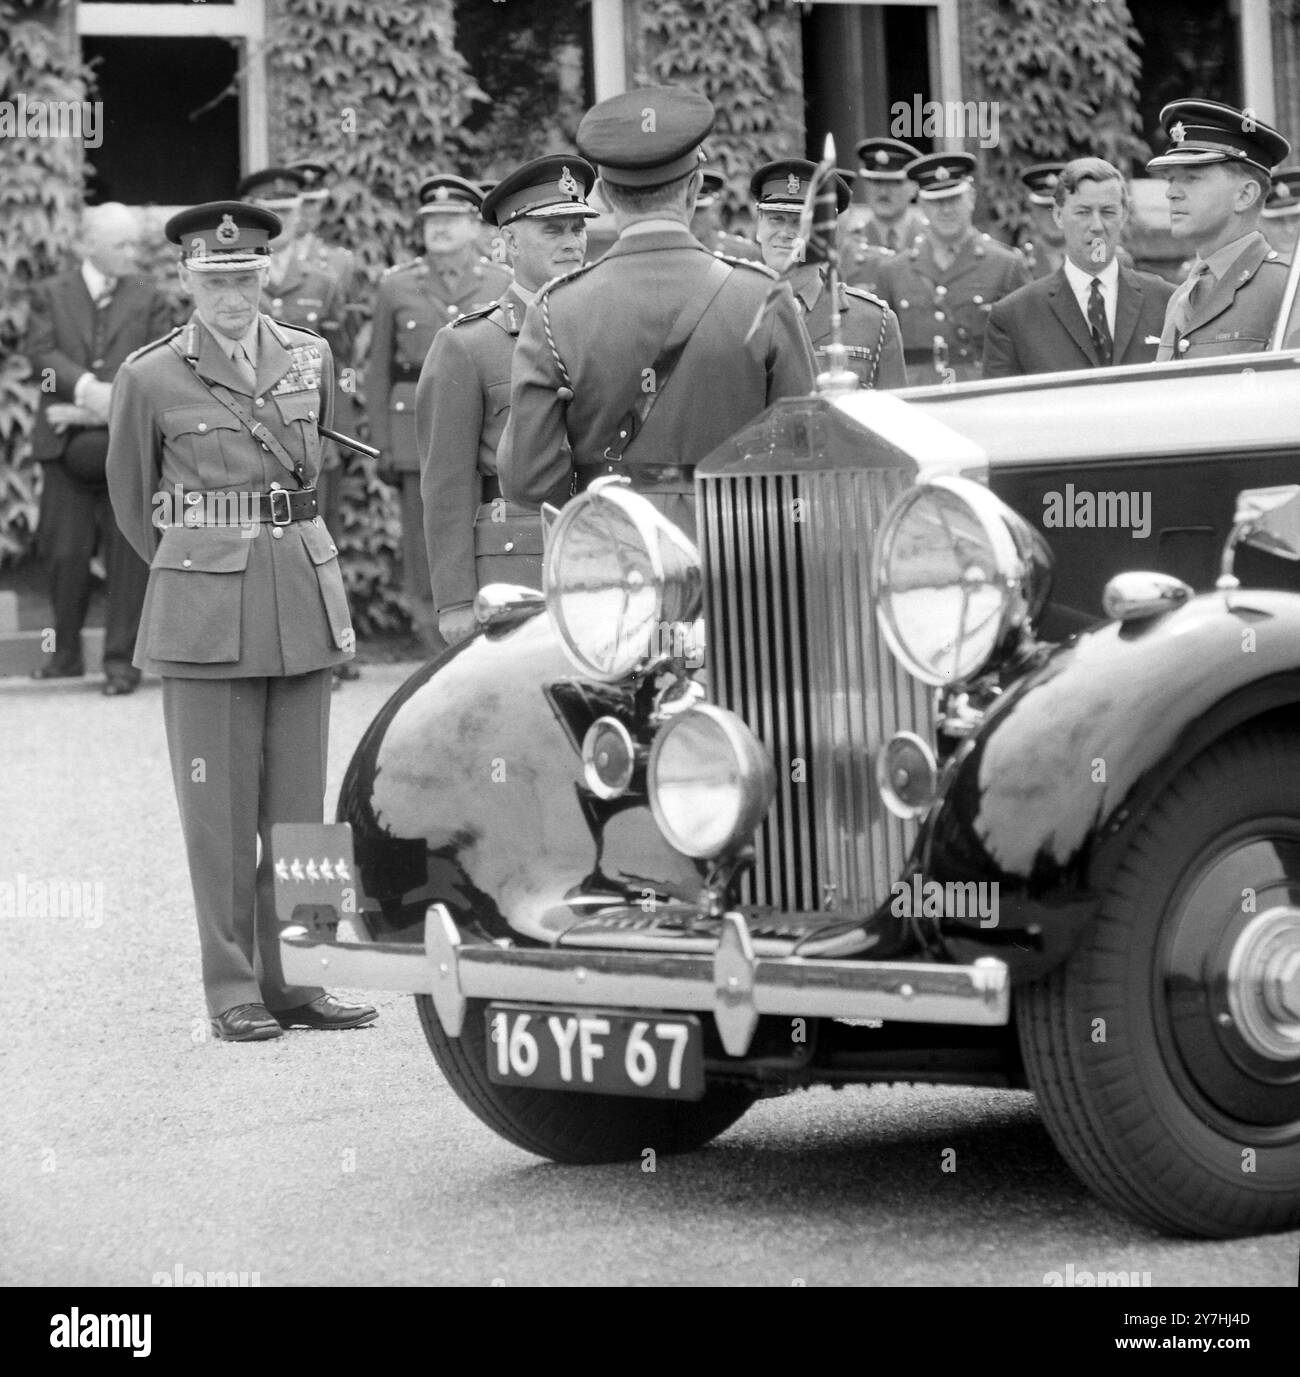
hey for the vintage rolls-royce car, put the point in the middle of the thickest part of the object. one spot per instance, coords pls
(964, 748)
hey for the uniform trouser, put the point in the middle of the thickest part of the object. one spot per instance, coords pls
(74, 515)
(416, 580)
(245, 753)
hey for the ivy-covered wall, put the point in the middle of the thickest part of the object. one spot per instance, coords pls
(745, 56)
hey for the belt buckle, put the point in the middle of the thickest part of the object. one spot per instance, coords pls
(276, 520)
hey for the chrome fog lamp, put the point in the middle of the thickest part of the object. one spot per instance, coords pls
(907, 774)
(956, 575)
(710, 781)
(617, 574)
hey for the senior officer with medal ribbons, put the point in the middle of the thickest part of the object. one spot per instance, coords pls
(1218, 171)
(213, 456)
(474, 536)
(868, 328)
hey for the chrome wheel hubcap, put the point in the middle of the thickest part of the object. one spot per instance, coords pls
(1264, 984)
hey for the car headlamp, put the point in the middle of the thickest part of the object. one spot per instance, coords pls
(710, 781)
(956, 575)
(619, 578)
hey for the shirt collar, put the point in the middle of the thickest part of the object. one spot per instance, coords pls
(97, 284)
(1081, 281)
(654, 227)
(227, 345)
(523, 293)
(1222, 259)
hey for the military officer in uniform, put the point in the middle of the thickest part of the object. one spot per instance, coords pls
(473, 535)
(212, 463)
(1217, 171)
(1281, 214)
(892, 220)
(415, 300)
(312, 248)
(944, 286)
(645, 361)
(868, 328)
(706, 223)
(1044, 246)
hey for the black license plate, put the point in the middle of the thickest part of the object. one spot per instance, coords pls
(598, 1050)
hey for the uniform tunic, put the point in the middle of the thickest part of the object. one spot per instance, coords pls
(868, 246)
(243, 623)
(1237, 312)
(598, 331)
(951, 303)
(868, 328)
(461, 407)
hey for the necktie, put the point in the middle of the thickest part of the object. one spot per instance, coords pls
(1101, 339)
(1195, 288)
(105, 298)
(244, 366)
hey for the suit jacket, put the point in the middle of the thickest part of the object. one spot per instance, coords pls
(226, 601)
(951, 304)
(414, 302)
(61, 337)
(1237, 315)
(461, 405)
(868, 328)
(597, 330)
(1040, 328)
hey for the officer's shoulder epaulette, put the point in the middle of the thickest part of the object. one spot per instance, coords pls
(402, 267)
(746, 263)
(481, 314)
(547, 288)
(153, 344)
(295, 329)
(863, 295)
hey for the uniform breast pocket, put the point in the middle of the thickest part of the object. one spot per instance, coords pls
(300, 413)
(498, 397)
(204, 437)
(195, 599)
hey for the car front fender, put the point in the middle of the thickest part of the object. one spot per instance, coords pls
(467, 790)
(1067, 761)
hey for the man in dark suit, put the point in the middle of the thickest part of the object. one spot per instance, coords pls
(644, 362)
(1218, 173)
(1091, 312)
(212, 467)
(84, 323)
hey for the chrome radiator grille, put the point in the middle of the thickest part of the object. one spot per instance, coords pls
(794, 650)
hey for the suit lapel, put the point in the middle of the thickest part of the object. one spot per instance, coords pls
(83, 305)
(1128, 306)
(1240, 271)
(1065, 307)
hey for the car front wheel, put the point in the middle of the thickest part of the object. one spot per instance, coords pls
(1165, 1053)
(574, 1127)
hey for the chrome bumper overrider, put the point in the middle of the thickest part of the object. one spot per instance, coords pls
(732, 983)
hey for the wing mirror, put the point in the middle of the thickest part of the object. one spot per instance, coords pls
(1268, 519)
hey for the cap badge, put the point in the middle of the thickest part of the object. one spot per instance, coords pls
(1177, 132)
(792, 184)
(881, 157)
(1282, 191)
(227, 231)
(941, 173)
(1051, 179)
(441, 194)
(568, 183)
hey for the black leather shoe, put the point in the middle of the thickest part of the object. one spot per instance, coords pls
(246, 1023)
(347, 671)
(118, 684)
(56, 672)
(327, 1012)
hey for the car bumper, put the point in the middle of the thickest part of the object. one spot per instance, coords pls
(733, 982)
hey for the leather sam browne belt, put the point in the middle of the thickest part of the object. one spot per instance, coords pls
(279, 507)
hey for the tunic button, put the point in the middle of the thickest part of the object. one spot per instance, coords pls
(274, 487)
(311, 315)
(277, 532)
(311, 415)
(453, 310)
(98, 364)
(203, 425)
(410, 325)
(941, 290)
(938, 315)
(978, 300)
(1184, 345)
(185, 563)
(399, 406)
(510, 545)
(277, 303)
(334, 549)
(260, 401)
(902, 305)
